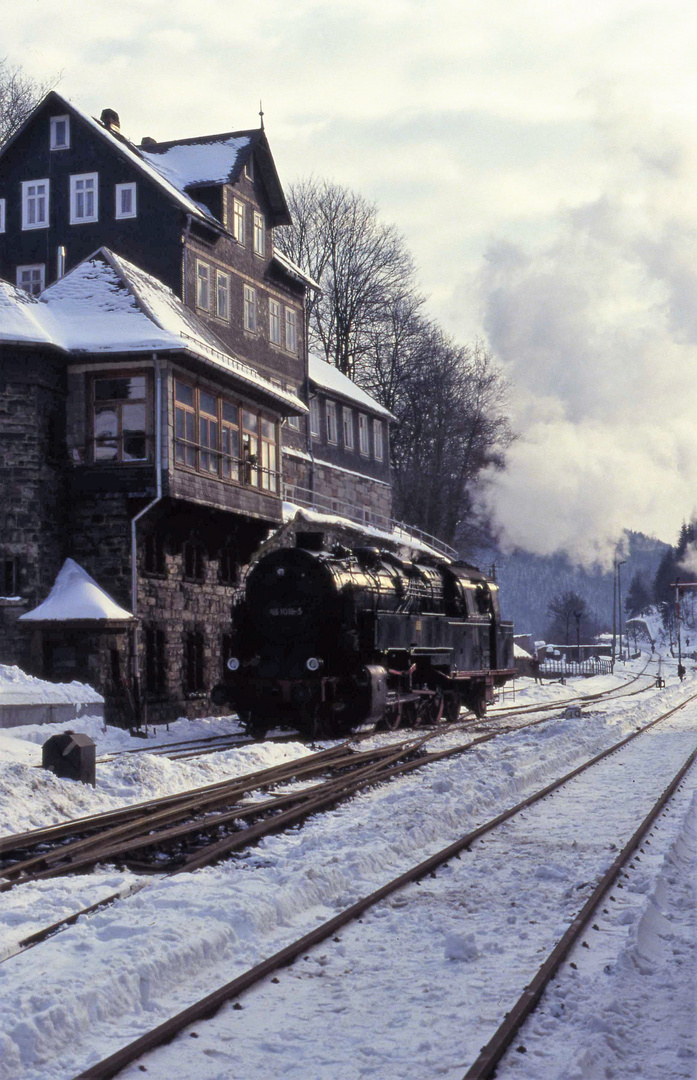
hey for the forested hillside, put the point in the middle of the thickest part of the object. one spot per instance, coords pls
(530, 582)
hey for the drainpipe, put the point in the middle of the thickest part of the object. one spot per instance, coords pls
(136, 519)
(306, 350)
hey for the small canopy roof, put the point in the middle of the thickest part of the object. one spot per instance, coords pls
(75, 597)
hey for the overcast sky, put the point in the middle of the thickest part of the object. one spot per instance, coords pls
(540, 158)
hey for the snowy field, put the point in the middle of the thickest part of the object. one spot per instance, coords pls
(414, 989)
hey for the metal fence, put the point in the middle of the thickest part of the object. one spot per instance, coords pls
(562, 668)
(398, 531)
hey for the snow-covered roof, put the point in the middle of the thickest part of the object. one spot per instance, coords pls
(212, 159)
(75, 595)
(106, 304)
(328, 377)
(294, 270)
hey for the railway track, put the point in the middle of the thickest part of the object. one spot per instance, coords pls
(486, 1062)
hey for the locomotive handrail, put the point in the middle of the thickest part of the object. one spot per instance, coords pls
(313, 500)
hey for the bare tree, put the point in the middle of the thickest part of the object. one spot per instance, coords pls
(362, 264)
(565, 609)
(19, 94)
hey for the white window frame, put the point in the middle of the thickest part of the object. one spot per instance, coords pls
(348, 428)
(378, 441)
(274, 322)
(120, 214)
(84, 178)
(222, 288)
(55, 121)
(332, 428)
(41, 267)
(203, 286)
(238, 220)
(27, 200)
(314, 416)
(291, 330)
(250, 309)
(258, 234)
(363, 437)
(293, 421)
(3, 215)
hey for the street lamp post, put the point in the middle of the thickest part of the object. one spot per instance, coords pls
(619, 600)
(616, 586)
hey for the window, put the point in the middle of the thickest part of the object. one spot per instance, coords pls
(222, 295)
(208, 432)
(348, 428)
(31, 278)
(125, 201)
(293, 421)
(220, 438)
(155, 661)
(227, 566)
(2, 215)
(249, 168)
(291, 331)
(154, 554)
(331, 422)
(193, 662)
(238, 221)
(35, 196)
(250, 309)
(250, 447)
(275, 322)
(193, 560)
(363, 443)
(9, 583)
(314, 416)
(84, 192)
(378, 448)
(119, 418)
(185, 424)
(258, 234)
(203, 286)
(269, 455)
(60, 132)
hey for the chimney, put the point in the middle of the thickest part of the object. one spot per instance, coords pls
(147, 142)
(110, 119)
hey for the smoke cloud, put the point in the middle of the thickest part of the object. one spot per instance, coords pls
(597, 330)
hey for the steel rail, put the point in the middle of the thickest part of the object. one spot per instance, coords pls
(485, 1065)
(210, 1004)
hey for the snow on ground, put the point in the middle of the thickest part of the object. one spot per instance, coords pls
(98, 984)
(18, 688)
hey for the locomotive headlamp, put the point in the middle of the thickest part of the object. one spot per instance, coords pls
(232, 664)
(313, 664)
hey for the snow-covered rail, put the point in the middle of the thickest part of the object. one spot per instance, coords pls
(212, 1002)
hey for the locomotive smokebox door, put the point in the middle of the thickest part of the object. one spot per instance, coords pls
(72, 756)
(377, 692)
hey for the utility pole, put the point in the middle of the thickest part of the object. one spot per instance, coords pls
(619, 600)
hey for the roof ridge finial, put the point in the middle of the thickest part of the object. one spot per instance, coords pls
(261, 115)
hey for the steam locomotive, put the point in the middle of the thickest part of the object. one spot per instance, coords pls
(336, 642)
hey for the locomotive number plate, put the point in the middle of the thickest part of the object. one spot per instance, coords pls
(285, 611)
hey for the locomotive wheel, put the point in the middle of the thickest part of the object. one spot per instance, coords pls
(392, 718)
(452, 706)
(435, 708)
(256, 726)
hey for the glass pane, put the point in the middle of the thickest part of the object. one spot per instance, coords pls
(106, 450)
(231, 413)
(207, 403)
(190, 432)
(134, 448)
(133, 419)
(185, 394)
(180, 419)
(250, 420)
(120, 389)
(268, 429)
(105, 422)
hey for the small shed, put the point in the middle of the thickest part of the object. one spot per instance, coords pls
(80, 633)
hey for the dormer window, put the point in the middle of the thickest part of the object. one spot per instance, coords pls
(249, 168)
(125, 201)
(84, 191)
(35, 195)
(60, 132)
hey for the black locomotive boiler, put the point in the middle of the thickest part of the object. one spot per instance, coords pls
(336, 642)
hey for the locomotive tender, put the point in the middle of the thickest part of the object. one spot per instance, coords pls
(336, 642)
